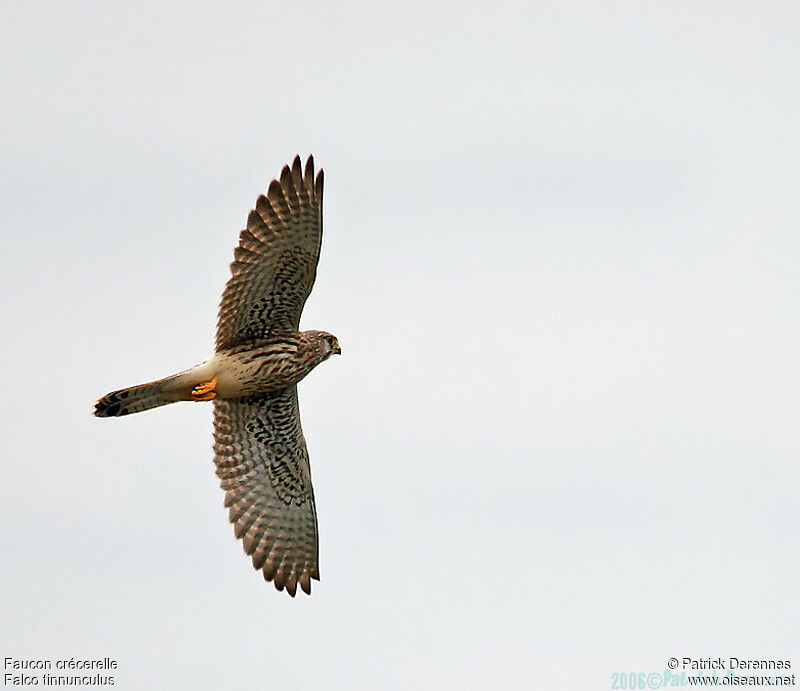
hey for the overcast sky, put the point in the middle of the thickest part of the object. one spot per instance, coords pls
(561, 256)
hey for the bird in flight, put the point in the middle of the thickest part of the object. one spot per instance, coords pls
(259, 449)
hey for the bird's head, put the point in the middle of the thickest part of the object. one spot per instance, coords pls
(326, 344)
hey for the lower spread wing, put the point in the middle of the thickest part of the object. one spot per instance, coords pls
(275, 263)
(262, 464)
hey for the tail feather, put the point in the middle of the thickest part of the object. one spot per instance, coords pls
(135, 399)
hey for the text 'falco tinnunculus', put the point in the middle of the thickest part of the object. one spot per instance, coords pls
(259, 449)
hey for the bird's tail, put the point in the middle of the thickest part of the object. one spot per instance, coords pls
(135, 399)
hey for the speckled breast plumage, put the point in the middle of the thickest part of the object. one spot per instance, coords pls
(264, 366)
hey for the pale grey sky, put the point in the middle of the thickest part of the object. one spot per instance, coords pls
(561, 256)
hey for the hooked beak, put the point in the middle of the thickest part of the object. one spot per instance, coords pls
(337, 350)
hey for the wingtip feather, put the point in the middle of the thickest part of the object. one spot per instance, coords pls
(286, 177)
(319, 183)
(274, 192)
(297, 171)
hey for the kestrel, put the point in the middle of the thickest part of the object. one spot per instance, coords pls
(259, 449)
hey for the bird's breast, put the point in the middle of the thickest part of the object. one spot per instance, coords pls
(259, 370)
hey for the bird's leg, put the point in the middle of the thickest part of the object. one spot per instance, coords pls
(205, 392)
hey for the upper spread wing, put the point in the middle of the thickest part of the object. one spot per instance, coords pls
(262, 464)
(276, 261)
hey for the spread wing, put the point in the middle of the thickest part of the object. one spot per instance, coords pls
(262, 464)
(276, 261)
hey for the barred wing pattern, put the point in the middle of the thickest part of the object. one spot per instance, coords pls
(262, 464)
(275, 263)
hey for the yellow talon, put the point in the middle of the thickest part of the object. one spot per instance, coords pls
(205, 392)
